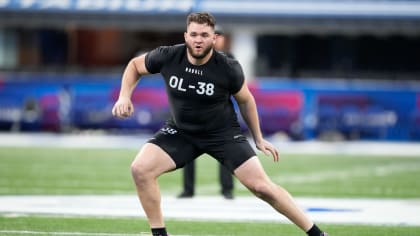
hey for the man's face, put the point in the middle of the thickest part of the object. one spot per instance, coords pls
(200, 39)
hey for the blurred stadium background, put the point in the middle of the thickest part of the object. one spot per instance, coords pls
(319, 69)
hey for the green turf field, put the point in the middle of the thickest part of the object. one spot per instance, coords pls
(94, 171)
(130, 227)
(26, 171)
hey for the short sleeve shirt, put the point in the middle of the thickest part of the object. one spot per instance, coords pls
(199, 95)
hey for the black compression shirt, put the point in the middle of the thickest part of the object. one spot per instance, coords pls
(199, 96)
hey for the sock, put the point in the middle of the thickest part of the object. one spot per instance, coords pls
(159, 231)
(314, 231)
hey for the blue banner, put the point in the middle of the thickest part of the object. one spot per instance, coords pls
(302, 110)
(147, 6)
(320, 8)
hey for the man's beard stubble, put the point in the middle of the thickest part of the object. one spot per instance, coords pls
(199, 56)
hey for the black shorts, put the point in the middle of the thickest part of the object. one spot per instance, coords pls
(230, 147)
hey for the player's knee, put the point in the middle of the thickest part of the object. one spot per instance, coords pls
(139, 171)
(136, 170)
(262, 189)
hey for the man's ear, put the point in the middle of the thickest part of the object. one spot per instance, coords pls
(214, 38)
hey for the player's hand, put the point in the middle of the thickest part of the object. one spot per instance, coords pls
(267, 148)
(123, 108)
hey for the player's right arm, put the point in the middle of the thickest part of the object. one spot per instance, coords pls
(134, 70)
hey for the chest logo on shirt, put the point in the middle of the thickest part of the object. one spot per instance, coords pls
(201, 88)
(193, 71)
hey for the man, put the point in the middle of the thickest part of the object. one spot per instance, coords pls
(199, 82)
(225, 177)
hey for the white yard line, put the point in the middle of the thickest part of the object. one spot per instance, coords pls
(327, 210)
(23, 232)
(27, 232)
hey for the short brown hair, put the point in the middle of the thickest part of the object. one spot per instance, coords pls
(201, 18)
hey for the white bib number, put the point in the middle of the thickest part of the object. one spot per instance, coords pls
(203, 88)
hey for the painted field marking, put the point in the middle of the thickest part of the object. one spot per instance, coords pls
(327, 210)
(28, 232)
(66, 233)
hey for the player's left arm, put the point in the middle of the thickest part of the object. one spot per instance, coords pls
(248, 109)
